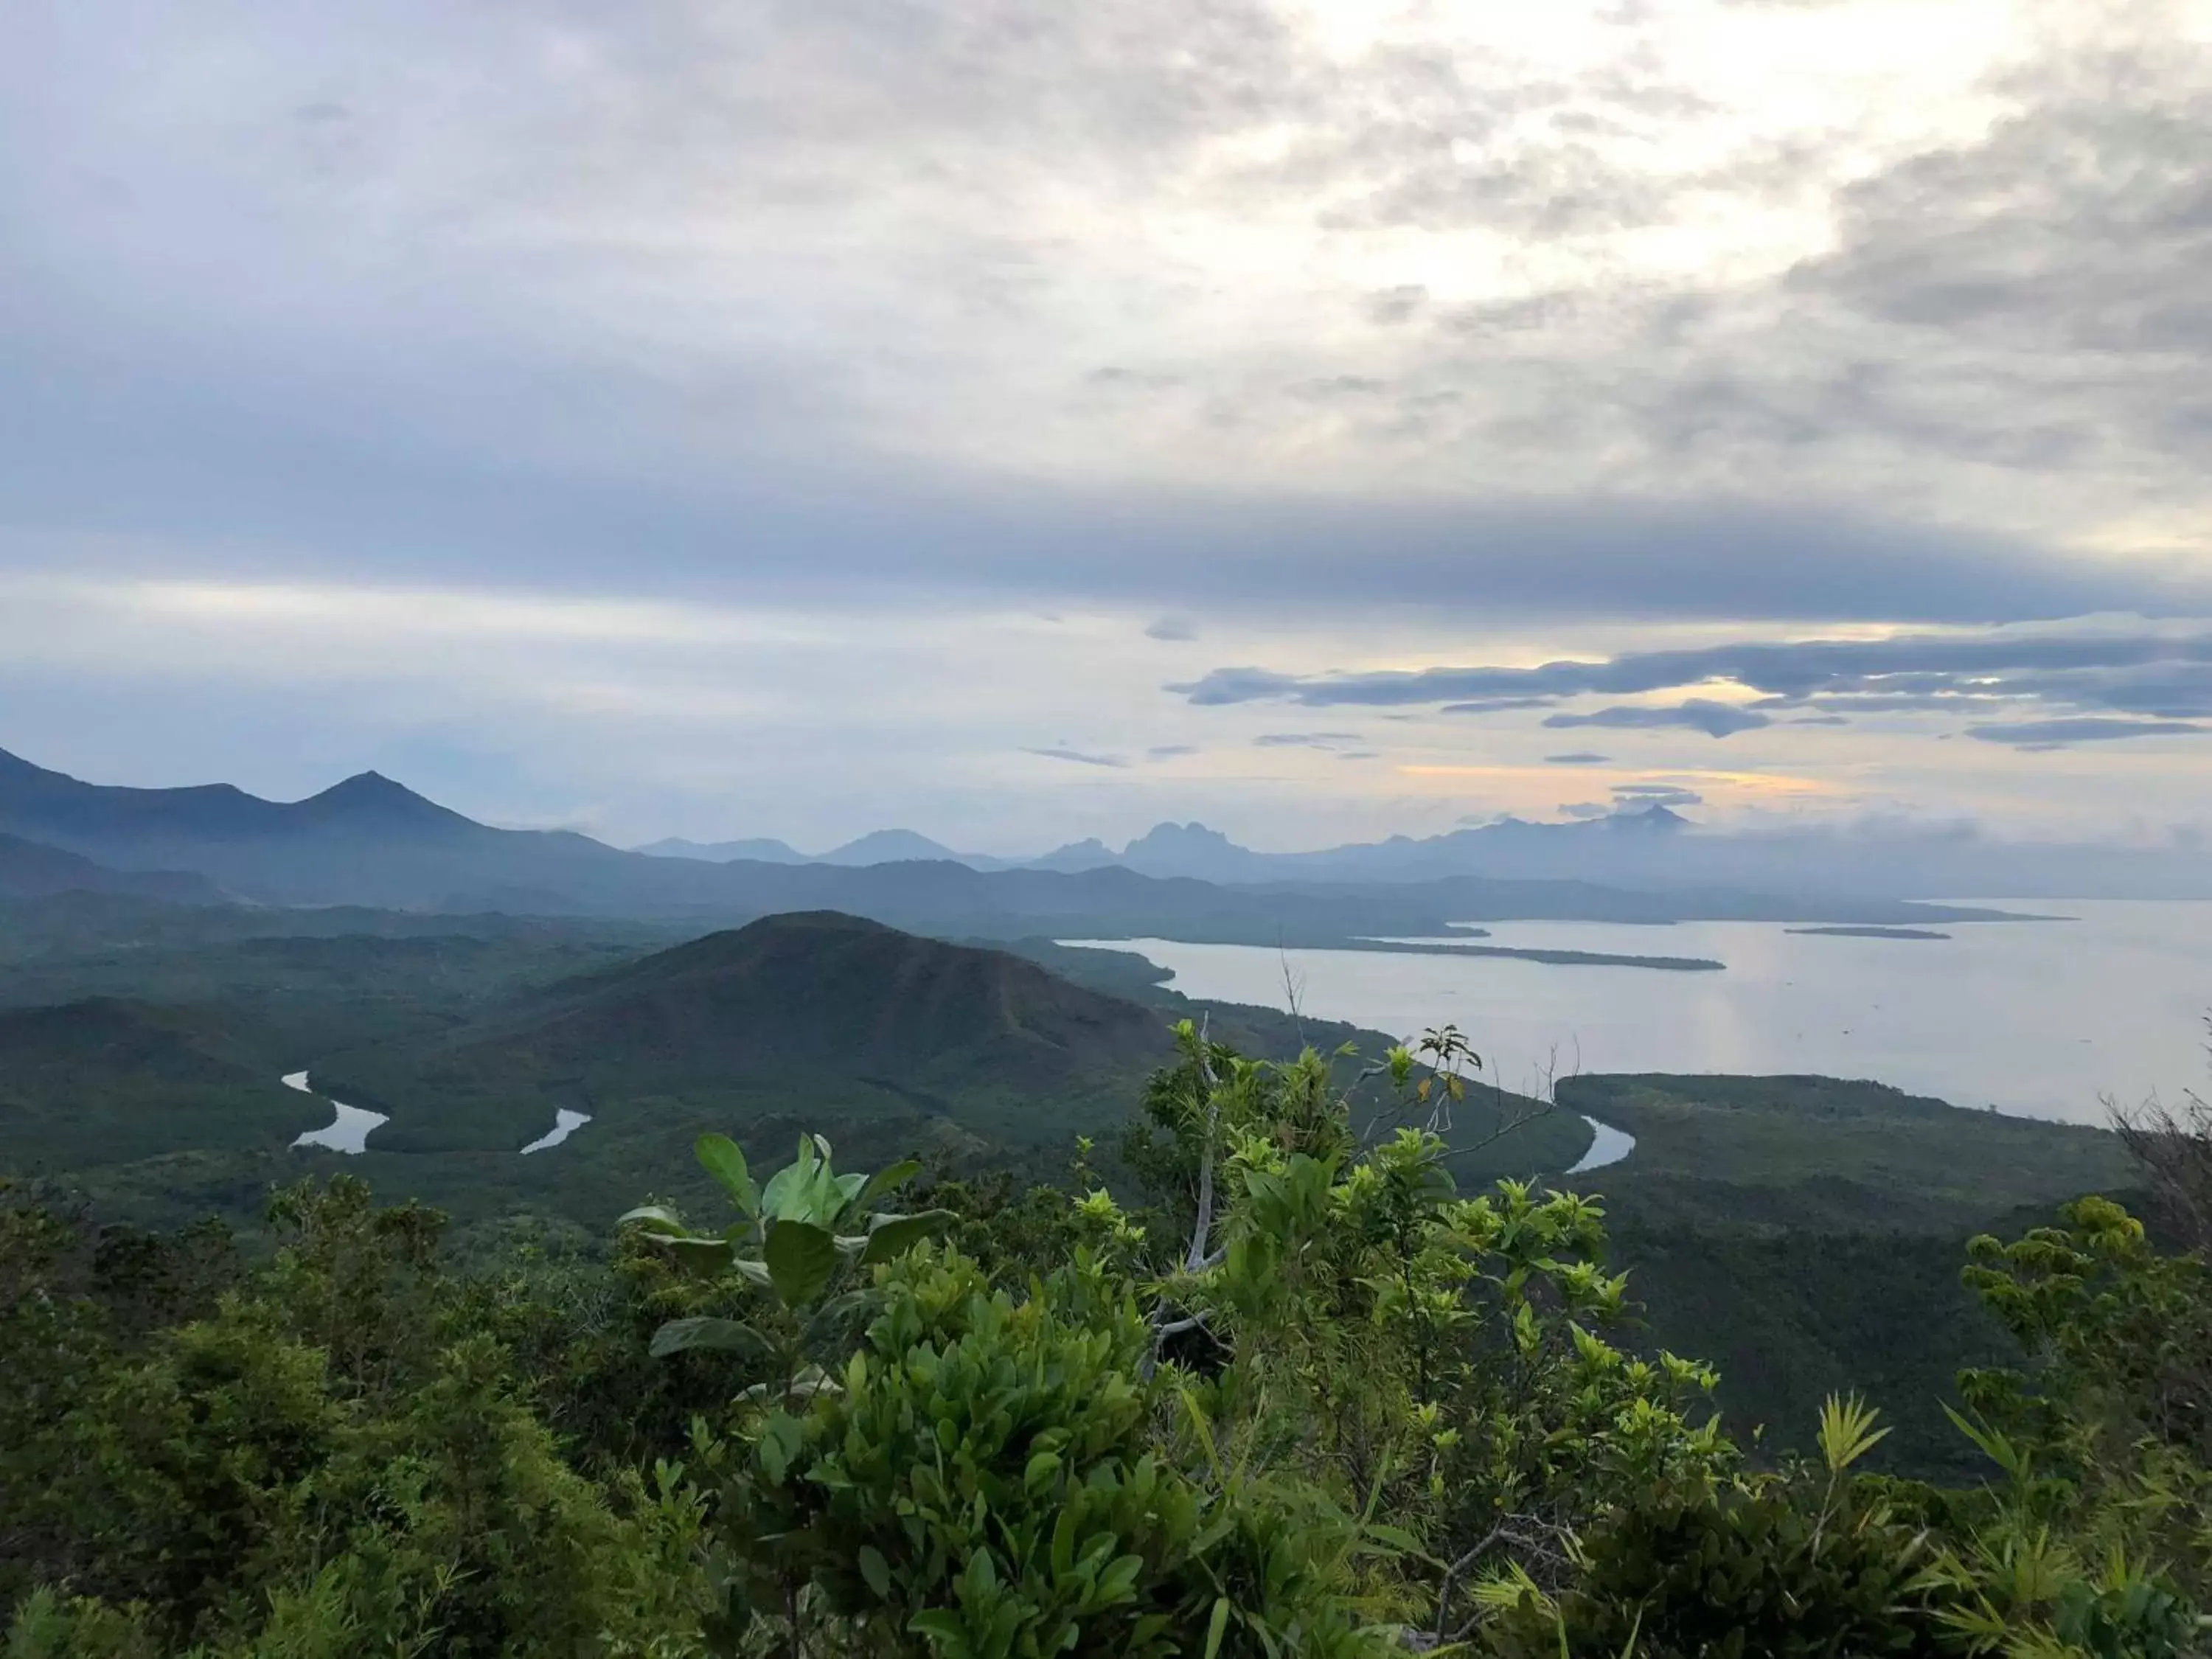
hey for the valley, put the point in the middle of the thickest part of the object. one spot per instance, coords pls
(168, 1053)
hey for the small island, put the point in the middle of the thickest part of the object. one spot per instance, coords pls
(1869, 933)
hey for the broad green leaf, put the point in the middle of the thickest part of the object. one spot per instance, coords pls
(876, 1571)
(660, 1214)
(725, 1336)
(790, 1194)
(721, 1156)
(801, 1259)
(942, 1625)
(702, 1255)
(884, 1180)
(894, 1236)
(1217, 1626)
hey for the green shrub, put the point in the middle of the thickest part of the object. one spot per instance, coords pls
(986, 1481)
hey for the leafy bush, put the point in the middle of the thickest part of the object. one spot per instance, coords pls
(986, 1481)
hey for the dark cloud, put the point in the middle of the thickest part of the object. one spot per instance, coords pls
(1172, 628)
(1494, 705)
(1079, 756)
(1581, 757)
(2166, 676)
(1304, 739)
(2072, 236)
(233, 366)
(1715, 720)
(1170, 751)
(2034, 735)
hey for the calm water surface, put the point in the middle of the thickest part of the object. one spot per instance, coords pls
(2039, 1018)
(348, 1131)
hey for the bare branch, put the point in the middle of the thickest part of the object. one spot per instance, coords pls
(1196, 1258)
(1294, 993)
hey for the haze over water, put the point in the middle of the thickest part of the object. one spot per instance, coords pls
(2038, 1018)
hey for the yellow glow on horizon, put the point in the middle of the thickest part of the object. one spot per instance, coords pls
(1762, 784)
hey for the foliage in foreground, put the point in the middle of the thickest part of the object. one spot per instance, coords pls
(1316, 1402)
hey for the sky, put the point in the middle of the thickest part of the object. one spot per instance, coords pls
(1023, 422)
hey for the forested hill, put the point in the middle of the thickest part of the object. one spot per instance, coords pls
(823, 989)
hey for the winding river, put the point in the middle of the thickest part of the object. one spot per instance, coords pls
(347, 1133)
(349, 1130)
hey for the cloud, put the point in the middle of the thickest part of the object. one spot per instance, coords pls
(1639, 795)
(209, 350)
(1586, 809)
(2058, 734)
(1173, 628)
(1580, 757)
(1224, 309)
(2136, 670)
(1494, 705)
(1715, 720)
(1170, 751)
(1304, 739)
(1390, 306)
(1079, 756)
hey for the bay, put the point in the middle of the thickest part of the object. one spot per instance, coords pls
(2039, 1018)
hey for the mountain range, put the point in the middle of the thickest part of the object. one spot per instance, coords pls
(1195, 850)
(1651, 847)
(369, 841)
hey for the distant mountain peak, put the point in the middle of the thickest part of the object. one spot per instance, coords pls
(368, 796)
(1654, 817)
(1181, 836)
(761, 849)
(891, 846)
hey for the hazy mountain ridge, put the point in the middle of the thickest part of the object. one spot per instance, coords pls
(1652, 848)
(371, 841)
(29, 870)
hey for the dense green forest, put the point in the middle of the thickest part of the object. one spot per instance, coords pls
(1294, 1391)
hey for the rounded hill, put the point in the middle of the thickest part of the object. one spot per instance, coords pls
(828, 988)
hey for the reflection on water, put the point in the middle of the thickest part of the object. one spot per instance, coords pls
(347, 1133)
(1608, 1146)
(2040, 1018)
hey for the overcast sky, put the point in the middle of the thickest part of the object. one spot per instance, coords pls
(1022, 422)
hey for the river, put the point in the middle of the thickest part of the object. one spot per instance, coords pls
(347, 1133)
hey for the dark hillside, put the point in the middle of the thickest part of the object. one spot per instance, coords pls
(827, 988)
(881, 1039)
(1806, 1234)
(1814, 1153)
(29, 870)
(85, 1085)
